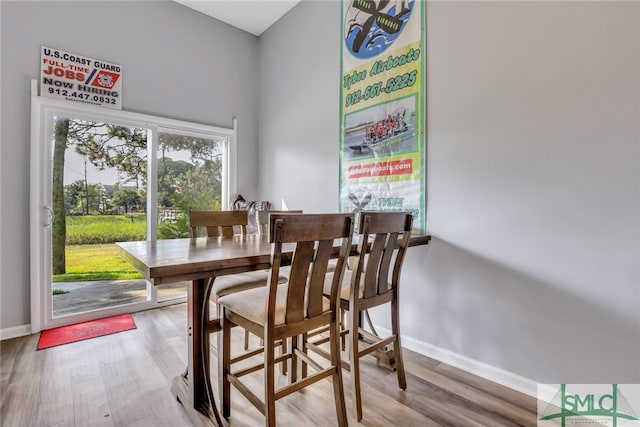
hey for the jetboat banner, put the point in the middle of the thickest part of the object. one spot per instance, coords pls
(382, 111)
(72, 77)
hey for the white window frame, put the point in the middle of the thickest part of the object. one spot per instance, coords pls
(42, 111)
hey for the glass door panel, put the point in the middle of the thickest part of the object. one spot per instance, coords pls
(189, 177)
(98, 197)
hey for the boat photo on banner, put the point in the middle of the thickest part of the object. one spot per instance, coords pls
(382, 110)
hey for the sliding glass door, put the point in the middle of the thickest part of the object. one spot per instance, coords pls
(101, 176)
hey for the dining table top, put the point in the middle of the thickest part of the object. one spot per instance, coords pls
(175, 260)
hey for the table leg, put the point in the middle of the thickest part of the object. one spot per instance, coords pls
(191, 387)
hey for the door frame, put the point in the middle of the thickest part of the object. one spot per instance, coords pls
(42, 111)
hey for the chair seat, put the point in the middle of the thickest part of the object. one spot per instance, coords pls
(251, 305)
(225, 285)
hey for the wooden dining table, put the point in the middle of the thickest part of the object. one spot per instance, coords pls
(197, 260)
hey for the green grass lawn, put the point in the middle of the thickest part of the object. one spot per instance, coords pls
(94, 229)
(90, 252)
(95, 262)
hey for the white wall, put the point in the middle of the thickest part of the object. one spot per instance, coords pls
(533, 161)
(176, 63)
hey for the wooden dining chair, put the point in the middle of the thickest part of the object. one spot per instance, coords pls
(279, 312)
(218, 223)
(225, 224)
(373, 281)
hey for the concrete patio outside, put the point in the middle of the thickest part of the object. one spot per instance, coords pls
(88, 296)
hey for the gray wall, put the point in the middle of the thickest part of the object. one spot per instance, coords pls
(299, 103)
(533, 157)
(533, 177)
(176, 63)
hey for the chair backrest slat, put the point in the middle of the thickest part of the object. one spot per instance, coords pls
(218, 223)
(300, 265)
(318, 276)
(385, 263)
(314, 235)
(372, 265)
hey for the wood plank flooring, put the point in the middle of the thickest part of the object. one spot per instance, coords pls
(123, 380)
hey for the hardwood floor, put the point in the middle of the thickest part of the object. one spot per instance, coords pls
(123, 380)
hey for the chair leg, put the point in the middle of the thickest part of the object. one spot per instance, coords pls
(303, 364)
(338, 389)
(343, 322)
(269, 384)
(225, 385)
(293, 371)
(397, 347)
(283, 351)
(354, 360)
(218, 311)
(246, 339)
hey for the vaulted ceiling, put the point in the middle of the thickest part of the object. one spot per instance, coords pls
(253, 16)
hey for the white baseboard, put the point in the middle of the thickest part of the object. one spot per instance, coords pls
(15, 332)
(481, 369)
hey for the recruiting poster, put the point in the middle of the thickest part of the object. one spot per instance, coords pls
(382, 111)
(72, 77)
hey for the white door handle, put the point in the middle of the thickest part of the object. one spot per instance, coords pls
(50, 217)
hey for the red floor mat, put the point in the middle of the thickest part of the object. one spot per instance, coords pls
(85, 330)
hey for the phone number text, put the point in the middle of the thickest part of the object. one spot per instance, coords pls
(393, 84)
